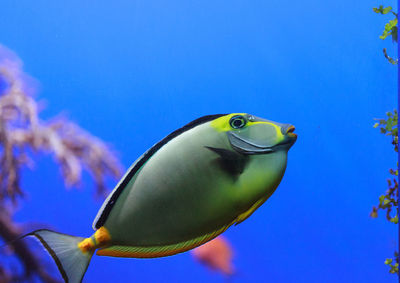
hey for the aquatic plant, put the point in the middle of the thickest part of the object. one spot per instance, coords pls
(389, 126)
(389, 201)
(23, 135)
(390, 30)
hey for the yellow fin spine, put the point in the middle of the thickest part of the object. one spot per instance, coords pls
(99, 239)
(87, 245)
(102, 236)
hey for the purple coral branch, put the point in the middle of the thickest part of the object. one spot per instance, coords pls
(22, 131)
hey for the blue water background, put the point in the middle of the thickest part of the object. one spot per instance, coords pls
(131, 72)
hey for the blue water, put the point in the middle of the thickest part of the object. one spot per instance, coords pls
(131, 72)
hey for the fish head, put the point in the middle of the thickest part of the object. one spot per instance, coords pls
(251, 135)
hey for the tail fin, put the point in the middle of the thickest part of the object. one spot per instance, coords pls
(71, 261)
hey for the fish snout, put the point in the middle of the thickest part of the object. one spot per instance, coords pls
(288, 130)
(289, 136)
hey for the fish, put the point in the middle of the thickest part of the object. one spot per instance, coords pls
(184, 191)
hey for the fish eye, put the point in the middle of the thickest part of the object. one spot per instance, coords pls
(238, 122)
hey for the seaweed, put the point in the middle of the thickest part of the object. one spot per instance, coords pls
(389, 202)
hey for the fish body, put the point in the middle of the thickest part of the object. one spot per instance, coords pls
(184, 191)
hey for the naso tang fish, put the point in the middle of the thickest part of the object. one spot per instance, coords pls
(184, 191)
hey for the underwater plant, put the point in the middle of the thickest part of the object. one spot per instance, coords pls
(391, 29)
(23, 135)
(389, 201)
(389, 127)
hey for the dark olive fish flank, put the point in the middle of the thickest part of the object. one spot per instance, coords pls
(230, 161)
(107, 209)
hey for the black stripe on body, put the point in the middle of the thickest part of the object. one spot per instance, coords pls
(107, 209)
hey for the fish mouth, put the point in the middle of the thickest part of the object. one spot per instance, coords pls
(290, 137)
(290, 132)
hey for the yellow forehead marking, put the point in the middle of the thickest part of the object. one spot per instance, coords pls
(221, 124)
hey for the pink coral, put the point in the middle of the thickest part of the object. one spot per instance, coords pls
(216, 254)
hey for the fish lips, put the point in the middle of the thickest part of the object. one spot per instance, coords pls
(251, 148)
